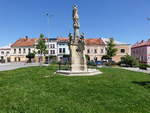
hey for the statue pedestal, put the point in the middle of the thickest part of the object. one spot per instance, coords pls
(77, 60)
(89, 72)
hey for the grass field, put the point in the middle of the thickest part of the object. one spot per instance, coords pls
(38, 90)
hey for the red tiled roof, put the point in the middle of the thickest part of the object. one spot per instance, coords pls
(5, 49)
(62, 39)
(94, 41)
(141, 44)
(24, 42)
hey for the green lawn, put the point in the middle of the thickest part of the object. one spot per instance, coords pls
(38, 90)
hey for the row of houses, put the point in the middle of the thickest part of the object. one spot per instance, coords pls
(141, 51)
(58, 47)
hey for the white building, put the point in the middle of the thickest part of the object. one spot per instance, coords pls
(5, 53)
(51, 44)
(62, 47)
(21, 48)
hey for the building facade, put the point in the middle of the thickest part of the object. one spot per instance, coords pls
(52, 46)
(95, 48)
(59, 47)
(122, 49)
(21, 48)
(62, 47)
(5, 54)
(141, 51)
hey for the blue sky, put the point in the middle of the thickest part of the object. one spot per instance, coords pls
(125, 20)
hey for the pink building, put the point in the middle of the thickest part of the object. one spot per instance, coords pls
(141, 51)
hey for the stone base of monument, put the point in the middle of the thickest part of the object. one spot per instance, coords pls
(90, 72)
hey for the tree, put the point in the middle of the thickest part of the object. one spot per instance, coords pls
(87, 57)
(110, 49)
(129, 61)
(30, 56)
(41, 46)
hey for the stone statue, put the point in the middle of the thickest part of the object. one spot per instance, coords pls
(82, 36)
(78, 63)
(77, 45)
(70, 37)
(76, 17)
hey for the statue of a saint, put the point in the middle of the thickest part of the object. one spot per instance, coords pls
(75, 17)
(70, 38)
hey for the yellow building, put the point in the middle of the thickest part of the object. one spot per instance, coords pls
(122, 49)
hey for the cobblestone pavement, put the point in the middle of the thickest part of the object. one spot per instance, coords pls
(12, 66)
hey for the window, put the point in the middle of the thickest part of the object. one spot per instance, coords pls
(14, 51)
(52, 45)
(29, 50)
(7, 52)
(102, 51)
(61, 44)
(2, 52)
(52, 52)
(95, 51)
(60, 50)
(88, 51)
(64, 50)
(19, 51)
(24, 50)
(122, 50)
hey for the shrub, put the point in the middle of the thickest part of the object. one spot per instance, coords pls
(129, 61)
(110, 63)
(91, 63)
(143, 66)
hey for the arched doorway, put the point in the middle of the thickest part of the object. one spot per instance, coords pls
(15, 59)
(19, 59)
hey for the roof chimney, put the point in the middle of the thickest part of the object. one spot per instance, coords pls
(142, 41)
(26, 37)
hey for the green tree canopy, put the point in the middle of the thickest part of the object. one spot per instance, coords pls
(110, 49)
(41, 45)
(30, 56)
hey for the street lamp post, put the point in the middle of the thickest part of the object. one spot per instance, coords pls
(48, 20)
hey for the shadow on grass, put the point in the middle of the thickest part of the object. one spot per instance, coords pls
(145, 84)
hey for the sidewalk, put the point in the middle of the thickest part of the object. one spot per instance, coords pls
(12, 66)
(136, 69)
